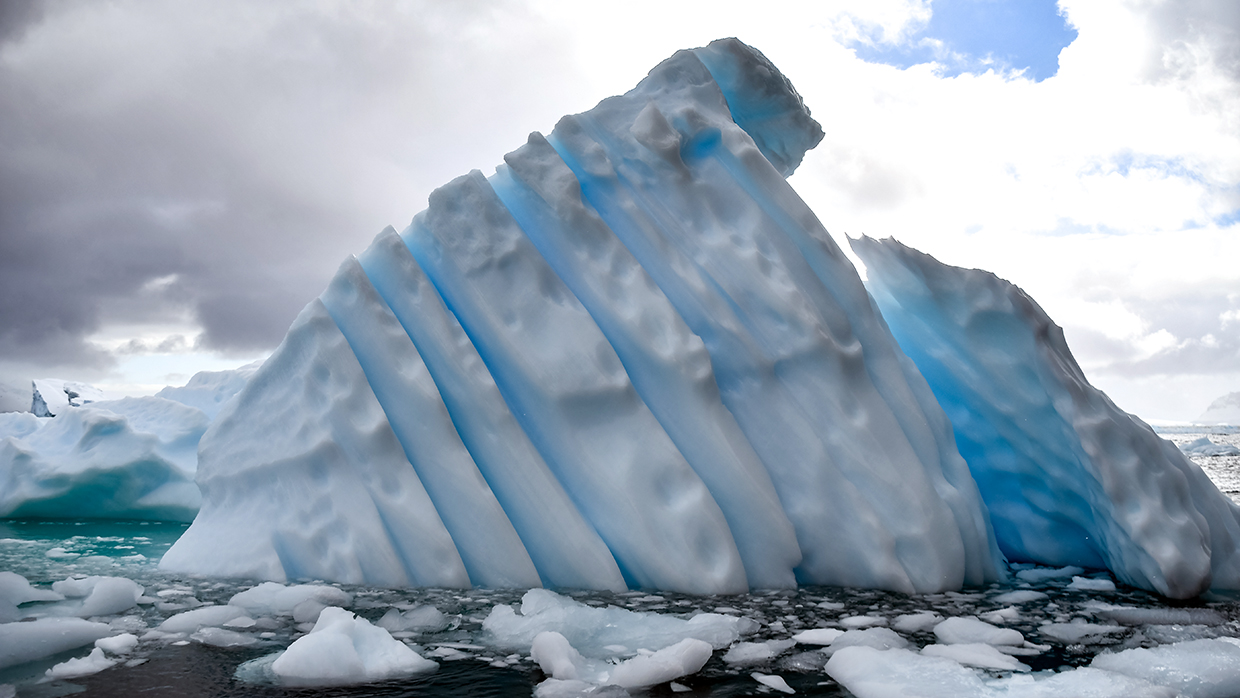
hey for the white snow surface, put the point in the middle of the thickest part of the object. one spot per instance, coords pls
(1069, 478)
(631, 358)
(209, 391)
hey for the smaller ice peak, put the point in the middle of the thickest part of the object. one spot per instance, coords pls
(762, 101)
(1224, 410)
(1069, 478)
(209, 391)
(52, 396)
(1205, 447)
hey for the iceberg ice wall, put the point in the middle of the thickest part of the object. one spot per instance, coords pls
(1070, 479)
(631, 357)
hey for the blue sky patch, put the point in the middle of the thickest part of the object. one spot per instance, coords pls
(972, 36)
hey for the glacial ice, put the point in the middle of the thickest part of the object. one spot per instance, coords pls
(632, 357)
(1068, 477)
(129, 458)
(132, 458)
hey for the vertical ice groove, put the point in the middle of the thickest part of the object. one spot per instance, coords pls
(303, 477)
(565, 384)
(666, 362)
(489, 545)
(791, 328)
(819, 501)
(917, 415)
(565, 548)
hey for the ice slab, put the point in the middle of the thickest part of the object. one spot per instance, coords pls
(1069, 478)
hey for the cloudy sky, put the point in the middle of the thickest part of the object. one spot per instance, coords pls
(177, 179)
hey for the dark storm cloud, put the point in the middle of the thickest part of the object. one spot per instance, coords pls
(18, 15)
(218, 160)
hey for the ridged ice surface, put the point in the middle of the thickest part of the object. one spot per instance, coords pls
(1070, 479)
(631, 357)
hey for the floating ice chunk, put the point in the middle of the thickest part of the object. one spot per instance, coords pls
(1087, 584)
(1077, 631)
(862, 621)
(870, 673)
(272, 598)
(344, 649)
(93, 663)
(1038, 575)
(422, 619)
(105, 596)
(976, 654)
(118, 644)
(1205, 447)
(1068, 477)
(557, 657)
(16, 590)
(746, 653)
(1197, 669)
(681, 659)
(916, 622)
(771, 681)
(28, 641)
(207, 616)
(220, 637)
(1001, 616)
(960, 630)
(590, 630)
(878, 638)
(1019, 596)
(818, 636)
(1162, 616)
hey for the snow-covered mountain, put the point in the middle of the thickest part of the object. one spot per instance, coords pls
(1225, 410)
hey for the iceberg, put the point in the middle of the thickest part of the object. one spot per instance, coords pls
(630, 358)
(130, 458)
(1069, 478)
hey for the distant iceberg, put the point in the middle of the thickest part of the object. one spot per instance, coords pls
(632, 357)
(132, 458)
(1069, 478)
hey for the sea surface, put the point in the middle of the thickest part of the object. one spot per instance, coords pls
(469, 665)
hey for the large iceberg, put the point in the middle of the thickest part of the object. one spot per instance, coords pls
(1069, 478)
(632, 357)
